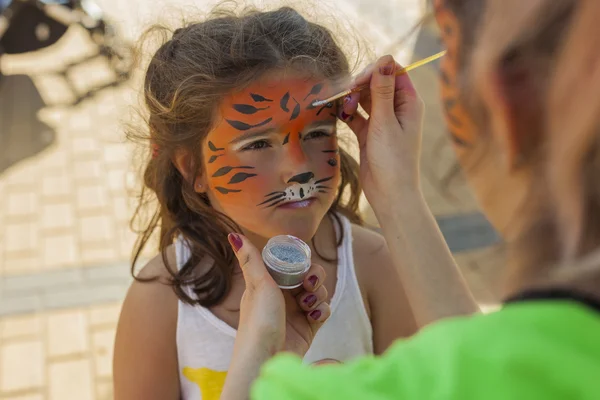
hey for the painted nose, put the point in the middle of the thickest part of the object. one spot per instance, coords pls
(302, 178)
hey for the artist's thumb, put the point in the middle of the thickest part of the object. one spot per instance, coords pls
(249, 258)
(383, 89)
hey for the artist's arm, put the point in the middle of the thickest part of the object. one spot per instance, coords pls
(271, 320)
(390, 312)
(389, 144)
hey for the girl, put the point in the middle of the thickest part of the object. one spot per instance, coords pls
(521, 85)
(238, 147)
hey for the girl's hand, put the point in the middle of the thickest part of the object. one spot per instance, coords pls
(271, 319)
(390, 138)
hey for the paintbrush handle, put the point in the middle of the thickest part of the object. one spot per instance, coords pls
(406, 69)
(401, 71)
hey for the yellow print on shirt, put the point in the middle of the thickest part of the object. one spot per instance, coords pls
(210, 382)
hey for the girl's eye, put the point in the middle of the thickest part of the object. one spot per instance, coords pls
(316, 135)
(258, 145)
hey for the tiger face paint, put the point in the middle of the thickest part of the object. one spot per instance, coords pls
(272, 160)
(460, 125)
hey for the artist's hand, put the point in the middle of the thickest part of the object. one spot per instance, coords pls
(390, 136)
(273, 319)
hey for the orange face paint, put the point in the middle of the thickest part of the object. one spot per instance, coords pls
(461, 128)
(273, 153)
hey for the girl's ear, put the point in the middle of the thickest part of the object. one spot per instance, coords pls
(183, 161)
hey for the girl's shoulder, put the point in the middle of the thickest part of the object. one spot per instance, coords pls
(152, 288)
(371, 258)
(146, 333)
(368, 247)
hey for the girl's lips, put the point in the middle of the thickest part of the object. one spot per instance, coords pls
(304, 203)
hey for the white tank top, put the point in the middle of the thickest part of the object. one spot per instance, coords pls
(205, 343)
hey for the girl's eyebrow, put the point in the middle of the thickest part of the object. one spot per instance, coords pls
(250, 135)
(321, 124)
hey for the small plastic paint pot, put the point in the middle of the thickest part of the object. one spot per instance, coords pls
(287, 259)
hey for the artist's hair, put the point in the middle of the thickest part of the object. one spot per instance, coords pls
(185, 81)
(557, 54)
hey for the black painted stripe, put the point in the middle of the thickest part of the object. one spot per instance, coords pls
(226, 191)
(248, 109)
(240, 177)
(212, 147)
(284, 102)
(274, 204)
(225, 170)
(242, 126)
(258, 98)
(279, 196)
(315, 90)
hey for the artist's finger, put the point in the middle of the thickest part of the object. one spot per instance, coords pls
(406, 97)
(319, 315)
(250, 260)
(383, 89)
(308, 301)
(314, 278)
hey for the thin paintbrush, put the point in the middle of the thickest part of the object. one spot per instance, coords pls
(363, 87)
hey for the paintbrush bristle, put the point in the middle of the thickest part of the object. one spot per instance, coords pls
(319, 103)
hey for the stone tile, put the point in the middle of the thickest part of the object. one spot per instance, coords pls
(104, 390)
(16, 264)
(60, 250)
(122, 208)
(58, 216)
(20, 326)
(91, 197)
(99, 253)
(21, 366)
(23, 174)
(20, 304)
(116, 154)
(71, 380)
(25, 397)
(95, 229)
(80, 122)
(105, 314)
(47, 280)
(67, 333)
(87, 170)
(117, 180)
(21, 237)
(22, 204)
(55, 186)
(103, 343)
(83, 146)
(81, 296)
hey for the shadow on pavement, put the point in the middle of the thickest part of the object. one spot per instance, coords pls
(22, 134)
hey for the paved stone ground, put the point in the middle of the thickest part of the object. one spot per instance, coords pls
(65, 203)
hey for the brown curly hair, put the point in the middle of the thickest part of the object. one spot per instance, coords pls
(184, 82)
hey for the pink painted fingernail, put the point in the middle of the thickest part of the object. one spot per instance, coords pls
(316, 314)
(387, 69)
(310, 300)
(344, 116)
(347, 99)
(236, 241)
(313, 279)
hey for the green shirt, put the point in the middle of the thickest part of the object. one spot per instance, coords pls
(530, 350)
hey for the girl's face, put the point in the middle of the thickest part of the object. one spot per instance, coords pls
(271, 163)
